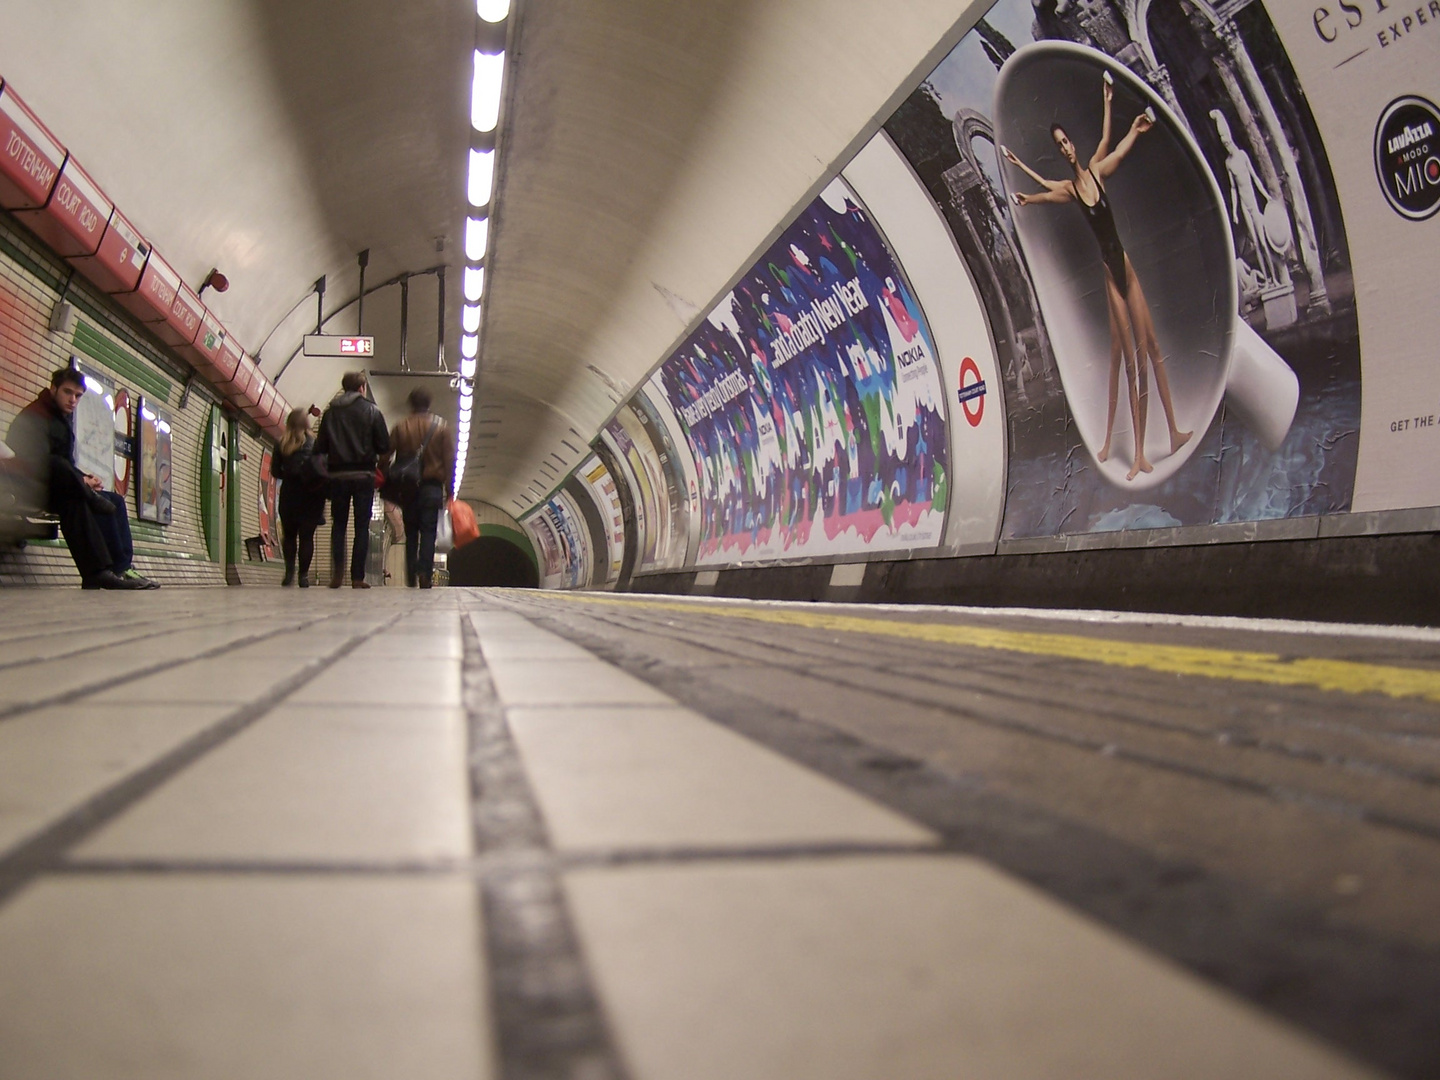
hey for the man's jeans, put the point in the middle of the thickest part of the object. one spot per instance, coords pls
(422, 516)
(343, 494)
(115, 528)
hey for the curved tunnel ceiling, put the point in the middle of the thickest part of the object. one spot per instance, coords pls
(649, 149)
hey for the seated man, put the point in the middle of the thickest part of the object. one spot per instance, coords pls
(43, 439)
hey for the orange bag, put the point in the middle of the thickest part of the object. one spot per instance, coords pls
(462, 523)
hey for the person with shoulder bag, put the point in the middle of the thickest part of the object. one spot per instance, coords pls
(421, 480)
(352, 440)
(302, 495)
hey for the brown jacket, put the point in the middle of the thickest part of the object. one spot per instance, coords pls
(439, 463)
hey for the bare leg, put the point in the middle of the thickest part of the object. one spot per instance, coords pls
(1145, 339)
(1116, 353)
(1134, 376)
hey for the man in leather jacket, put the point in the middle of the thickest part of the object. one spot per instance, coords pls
(43, 439)
(352, 439)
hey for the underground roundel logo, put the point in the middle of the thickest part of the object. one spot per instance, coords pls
(1407, 156)
(972, 391)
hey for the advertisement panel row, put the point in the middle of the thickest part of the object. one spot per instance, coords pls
(1109, 267)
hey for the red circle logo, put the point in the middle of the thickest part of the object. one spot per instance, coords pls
(972, 391)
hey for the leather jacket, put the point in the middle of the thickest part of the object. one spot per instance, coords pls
(353, 436)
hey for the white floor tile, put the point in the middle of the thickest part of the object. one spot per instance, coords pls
(54, 759)
(364, 681)
(666, 777)
(925, 968)
(312, 783)
(232, 978)
(569, 682)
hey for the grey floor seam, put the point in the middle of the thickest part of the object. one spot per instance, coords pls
(548, 1020)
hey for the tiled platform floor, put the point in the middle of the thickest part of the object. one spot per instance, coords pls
(252, 833)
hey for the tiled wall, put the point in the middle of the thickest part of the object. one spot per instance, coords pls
(104, 337)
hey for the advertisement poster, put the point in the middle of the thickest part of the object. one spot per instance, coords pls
(153, 486)
(557, 530)
(1148, 211)
(95, 427)
(638, 434)
(1371, 72)
(813, 402)
(601, 484)
(266, 507)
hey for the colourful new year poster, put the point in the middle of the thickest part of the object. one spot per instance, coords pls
(813, 402)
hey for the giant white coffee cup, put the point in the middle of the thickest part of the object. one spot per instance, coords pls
(1174, 226)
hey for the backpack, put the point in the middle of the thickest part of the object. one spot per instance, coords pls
(404, 476)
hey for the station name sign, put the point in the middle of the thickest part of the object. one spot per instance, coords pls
(334, 345)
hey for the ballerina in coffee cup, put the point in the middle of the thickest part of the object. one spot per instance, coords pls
(1132, 330)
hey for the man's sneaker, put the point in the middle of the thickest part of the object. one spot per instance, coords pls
(360, 583)
(304, 581)
(134, 575)
(108, 579)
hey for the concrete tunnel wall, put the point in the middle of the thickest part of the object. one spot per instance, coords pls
(905, 396)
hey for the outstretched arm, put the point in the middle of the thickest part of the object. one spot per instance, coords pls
(1107, 92)
(1104, 167)
(1056, 191)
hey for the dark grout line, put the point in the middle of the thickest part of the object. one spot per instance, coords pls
(76, 693)
(479, 868)
(44, 851)
(163, 867)
(548, 1020)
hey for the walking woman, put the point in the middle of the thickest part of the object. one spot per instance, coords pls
(1132, 330)
(302, 495)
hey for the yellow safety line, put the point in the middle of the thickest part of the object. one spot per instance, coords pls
(1344, 675)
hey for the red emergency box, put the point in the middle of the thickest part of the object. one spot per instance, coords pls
(30, 157)
(117, 265)
(74, 219)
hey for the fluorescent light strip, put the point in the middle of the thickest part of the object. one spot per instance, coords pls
(482, 176)
(477, 232)
(474, 283)
(492, 11)
(485, 90)
(470, 318)
(468, 344)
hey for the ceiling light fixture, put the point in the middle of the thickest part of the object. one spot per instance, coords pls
(469, 343)
(474, 283)
(492, 11)
(470, 318)
(485, 90)
(477, 233)
(482, 176)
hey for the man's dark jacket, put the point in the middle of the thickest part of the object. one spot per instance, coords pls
(353, 436)
(43, 439)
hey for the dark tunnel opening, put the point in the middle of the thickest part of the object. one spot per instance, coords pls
(493, 561)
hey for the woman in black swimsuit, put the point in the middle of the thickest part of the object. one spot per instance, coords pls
(1132, 330)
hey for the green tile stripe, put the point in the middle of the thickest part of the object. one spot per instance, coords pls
(98, 347)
